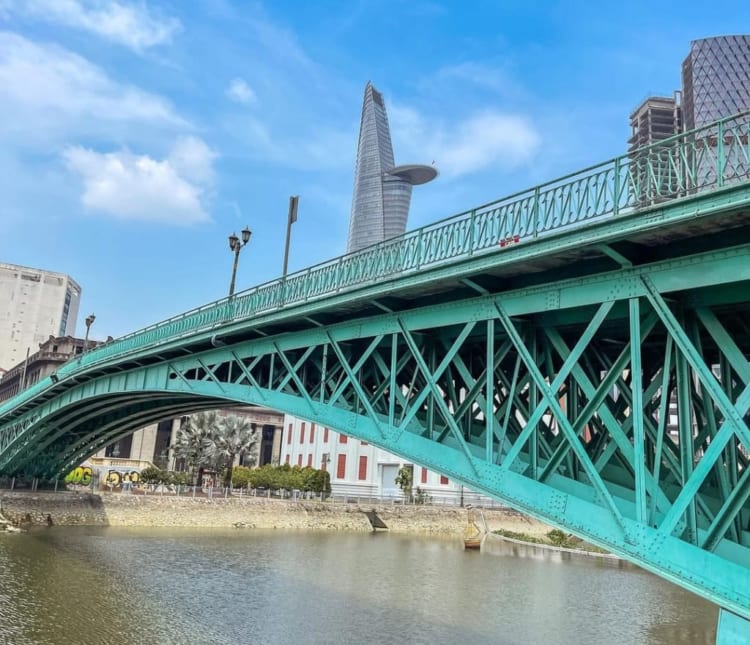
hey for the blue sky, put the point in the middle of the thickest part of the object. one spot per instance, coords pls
(136, 136)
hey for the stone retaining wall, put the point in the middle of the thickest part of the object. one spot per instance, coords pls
(112, 509)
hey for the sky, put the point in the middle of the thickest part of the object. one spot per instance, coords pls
(136, 136)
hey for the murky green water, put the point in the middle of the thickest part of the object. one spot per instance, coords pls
(102, 586)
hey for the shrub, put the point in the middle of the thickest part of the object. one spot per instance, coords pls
(241, 476)
(179, 478)
(154, 475)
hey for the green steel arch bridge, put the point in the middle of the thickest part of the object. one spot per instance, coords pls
(578, 351)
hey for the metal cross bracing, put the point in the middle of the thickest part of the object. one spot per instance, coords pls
(554, 398)
(594, 376)
(603, 200)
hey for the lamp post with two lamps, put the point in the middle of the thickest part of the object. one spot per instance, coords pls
(236, 245)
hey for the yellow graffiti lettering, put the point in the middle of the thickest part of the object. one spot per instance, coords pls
(81, 475)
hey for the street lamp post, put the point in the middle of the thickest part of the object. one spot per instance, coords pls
(291, 218)
(236, 245)
(89, 321)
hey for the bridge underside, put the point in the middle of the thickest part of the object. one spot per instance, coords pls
(578, 351)
(614, 405)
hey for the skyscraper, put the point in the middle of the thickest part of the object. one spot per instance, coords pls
(34, 305)
(657, 118)
(382, 190)
(715, 79)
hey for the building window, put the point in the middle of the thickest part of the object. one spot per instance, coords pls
(424, 475)
(362, 468)
(363, 443)
(312, 432)
(289, 435)
(443, 480)
(299, 459)
(309, 461)
(325, 435)
(341, 467)
(343, 438)
(302, 433)
(288, 459)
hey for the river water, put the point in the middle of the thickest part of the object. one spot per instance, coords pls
(70, 586)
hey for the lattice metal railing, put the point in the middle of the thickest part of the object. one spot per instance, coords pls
(709, 158)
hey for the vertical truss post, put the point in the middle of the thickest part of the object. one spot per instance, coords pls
(685, 434)
(431, 400)
(636, 385)
(661, 430)
(533, 402)
(393, 373)
(324, 373)
(489, 397)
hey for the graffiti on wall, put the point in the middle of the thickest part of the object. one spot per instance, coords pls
(117, 478)
(84, 474)
(81, 475)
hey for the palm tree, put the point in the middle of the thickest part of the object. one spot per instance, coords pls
(235, 436)
(194, 441)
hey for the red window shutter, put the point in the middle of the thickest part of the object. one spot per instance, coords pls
(289, 434)
(343, 438)
(302, 433)
(424, 475)
(312, 432)
(341, 467)
(288, 459)
(362, 468)
(309, 461)
(325, 435)
(299, 459)
(443, 479)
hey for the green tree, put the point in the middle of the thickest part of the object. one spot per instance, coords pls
(233, 436)
(405, 479)
(194, 441)
(152, 475)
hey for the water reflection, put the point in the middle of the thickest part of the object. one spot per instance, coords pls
(105, 585)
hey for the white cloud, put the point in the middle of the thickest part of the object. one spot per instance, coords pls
(484, 139)
(241, 92)
(47, 88)
(132, 25)
(138, 187)
(193, 159)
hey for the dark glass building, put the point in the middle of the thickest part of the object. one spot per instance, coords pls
(715, 79)
(382, 190)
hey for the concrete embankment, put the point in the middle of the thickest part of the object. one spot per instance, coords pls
(107, 509)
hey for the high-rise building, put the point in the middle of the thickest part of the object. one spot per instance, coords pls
(715, 79)
(382, 190)
(34, 305)
(657, 118)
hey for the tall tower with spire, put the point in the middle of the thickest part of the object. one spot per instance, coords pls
(382, 190)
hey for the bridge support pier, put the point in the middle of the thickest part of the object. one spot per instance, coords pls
(732, 629)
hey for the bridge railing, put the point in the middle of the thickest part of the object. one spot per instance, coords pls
(709, 158)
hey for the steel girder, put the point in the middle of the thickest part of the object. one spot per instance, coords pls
(557, 399)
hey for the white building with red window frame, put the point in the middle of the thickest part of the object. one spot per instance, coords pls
(361, 470)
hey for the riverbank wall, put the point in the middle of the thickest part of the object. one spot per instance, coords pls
(115, 509)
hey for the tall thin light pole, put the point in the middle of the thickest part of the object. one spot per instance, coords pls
(293, 204)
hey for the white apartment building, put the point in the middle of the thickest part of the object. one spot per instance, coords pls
(34, 305)
(360, 470)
